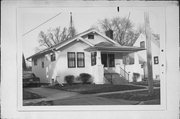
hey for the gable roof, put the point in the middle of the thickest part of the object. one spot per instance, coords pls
(155, 38)
(104, 46)
(66, 42)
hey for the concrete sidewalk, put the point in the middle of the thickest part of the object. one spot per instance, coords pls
(59, 97)
(49, 94)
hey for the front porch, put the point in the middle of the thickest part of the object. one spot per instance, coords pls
(110, 66)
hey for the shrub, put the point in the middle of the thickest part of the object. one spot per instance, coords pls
(85, 77)
(69, 79)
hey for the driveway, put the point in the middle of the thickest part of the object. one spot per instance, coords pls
(49, 94)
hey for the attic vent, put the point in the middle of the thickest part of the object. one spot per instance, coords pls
(90, 36)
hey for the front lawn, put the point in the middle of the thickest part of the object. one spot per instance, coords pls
(136, 96)
(28, 95)
(96, 88)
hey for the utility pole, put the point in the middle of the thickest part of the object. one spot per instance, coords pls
(149, 54)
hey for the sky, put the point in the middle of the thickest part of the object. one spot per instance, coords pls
(83, 19)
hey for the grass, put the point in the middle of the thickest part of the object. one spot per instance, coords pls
(95, 88)
(28, 95)
(156, 83)
(136, 96)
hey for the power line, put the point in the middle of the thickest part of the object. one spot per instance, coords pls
(41, 24)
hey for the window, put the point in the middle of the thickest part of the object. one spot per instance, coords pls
(80, 59)
(53, 57)
(108, 60)
(156, 60)
(142, 44)
(71, 60)
(93, 58)
(90, 36)
(111, 60)
(42, 64)
(104, 59)
(35, 62)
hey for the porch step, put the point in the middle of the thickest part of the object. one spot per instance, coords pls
(114, 78)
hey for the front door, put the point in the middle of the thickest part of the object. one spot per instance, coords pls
(108, 60)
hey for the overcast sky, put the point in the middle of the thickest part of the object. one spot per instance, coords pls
(83, 19)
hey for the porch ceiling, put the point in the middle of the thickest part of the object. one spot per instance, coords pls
(125, 49)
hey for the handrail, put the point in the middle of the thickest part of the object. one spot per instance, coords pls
(123, 70)
(124, 73)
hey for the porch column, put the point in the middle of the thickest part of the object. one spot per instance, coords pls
(99, 70)
(98, 58)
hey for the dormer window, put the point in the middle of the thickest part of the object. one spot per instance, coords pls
(90, 36)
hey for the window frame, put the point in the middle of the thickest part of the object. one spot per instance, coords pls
(78, 59)
(93, 58)
(74, 59)
(156, 60)
(53, 58)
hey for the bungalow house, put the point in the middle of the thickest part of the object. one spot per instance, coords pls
(139, 66)
(88, 52)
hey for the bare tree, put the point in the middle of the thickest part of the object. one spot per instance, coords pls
(122, 27)
(54, 36)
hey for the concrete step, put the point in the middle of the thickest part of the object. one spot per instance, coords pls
(115, 78)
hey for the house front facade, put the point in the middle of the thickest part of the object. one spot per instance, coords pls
(88, 52)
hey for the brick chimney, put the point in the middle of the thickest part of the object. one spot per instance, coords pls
(109, 33)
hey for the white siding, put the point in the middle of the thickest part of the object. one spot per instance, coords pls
(155, 52)
(58, 69)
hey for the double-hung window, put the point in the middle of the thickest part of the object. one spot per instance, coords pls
(71, 60)
(80, 59)
(71, 56)
(93, 58)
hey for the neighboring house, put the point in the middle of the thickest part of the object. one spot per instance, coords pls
(88, 52)
(139, 67)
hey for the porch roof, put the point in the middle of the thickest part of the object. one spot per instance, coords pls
(113, 48)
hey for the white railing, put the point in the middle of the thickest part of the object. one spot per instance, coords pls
(124, 74)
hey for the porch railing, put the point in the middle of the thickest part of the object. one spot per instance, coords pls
(109, 75)
(124, 74)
